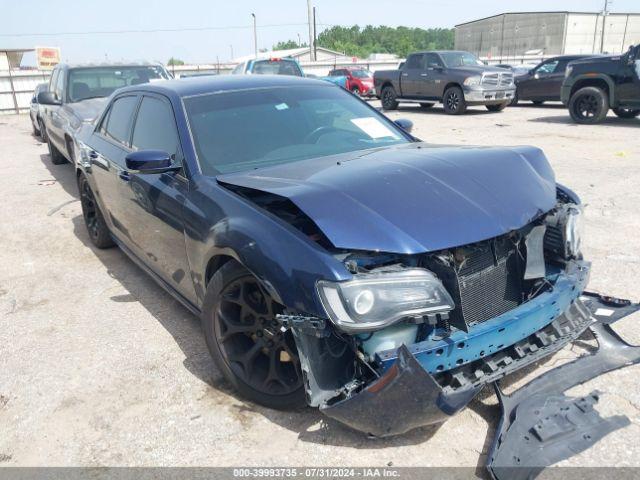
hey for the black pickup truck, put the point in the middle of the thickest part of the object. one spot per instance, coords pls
(457, 79)
(594, 85)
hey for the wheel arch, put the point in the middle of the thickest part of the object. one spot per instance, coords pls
(596, 80)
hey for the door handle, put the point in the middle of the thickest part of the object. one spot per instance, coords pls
(124, 175)
(423, 75)
(405, 74)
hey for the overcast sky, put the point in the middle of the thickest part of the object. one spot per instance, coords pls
(229, 23)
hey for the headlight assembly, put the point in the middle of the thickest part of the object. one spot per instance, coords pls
(375, 300)
(471, 81)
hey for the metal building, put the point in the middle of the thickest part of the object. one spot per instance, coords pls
(517, 36)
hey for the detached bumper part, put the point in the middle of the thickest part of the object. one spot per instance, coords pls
(540, 425)
(404, 398)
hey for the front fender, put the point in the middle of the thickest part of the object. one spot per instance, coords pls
(218, 222)
(570, 82)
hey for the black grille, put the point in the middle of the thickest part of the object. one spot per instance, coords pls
(484, 279)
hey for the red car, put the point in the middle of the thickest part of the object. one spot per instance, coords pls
(359, 80)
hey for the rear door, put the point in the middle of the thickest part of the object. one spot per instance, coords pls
(154, 202)
(110, 145)
(413, 76)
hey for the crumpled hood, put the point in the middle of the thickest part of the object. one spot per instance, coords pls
(87, 110)
(413, 198)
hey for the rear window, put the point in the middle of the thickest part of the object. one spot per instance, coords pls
(276, 67)
(99, 82)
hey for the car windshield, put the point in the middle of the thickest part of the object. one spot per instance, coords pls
(276, 67)
(460, 59)
(101, 82)
(248, 129)
(361, 73)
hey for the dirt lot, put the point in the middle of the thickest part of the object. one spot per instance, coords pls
(98, 366)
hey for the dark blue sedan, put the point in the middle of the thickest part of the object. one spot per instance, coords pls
(332, 257)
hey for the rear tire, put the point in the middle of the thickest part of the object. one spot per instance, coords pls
(589, 105)
(626, 112)
(93, 218)
(245, 340)
(454, 102)
(514, 100)
(496, 108)
(56, 157)
(388, 98)
(426, 105)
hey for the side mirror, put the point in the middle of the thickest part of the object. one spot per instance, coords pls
(150, 161)
(48, 98)
(405, 124)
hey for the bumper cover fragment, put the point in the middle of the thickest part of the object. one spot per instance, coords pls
(540, 425)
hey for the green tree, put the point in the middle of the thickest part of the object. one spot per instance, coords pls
(288, 45)
(401, 41)
(175, 62)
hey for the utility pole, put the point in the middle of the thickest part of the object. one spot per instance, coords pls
(315, 36)
(605, 12)
(255, 36)
(311, 35)
(299, 41)
(231, 47)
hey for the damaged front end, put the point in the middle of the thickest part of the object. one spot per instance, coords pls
(490, 308)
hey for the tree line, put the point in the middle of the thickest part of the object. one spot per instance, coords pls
(361, 42)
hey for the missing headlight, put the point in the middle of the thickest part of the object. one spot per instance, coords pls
(563, 238)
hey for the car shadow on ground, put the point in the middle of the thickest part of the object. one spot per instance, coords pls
(567, 120)
(308, 423)
(435, 110)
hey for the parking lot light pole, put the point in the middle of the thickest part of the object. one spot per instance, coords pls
(255, 36)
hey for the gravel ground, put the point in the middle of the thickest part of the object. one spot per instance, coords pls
(98, 366)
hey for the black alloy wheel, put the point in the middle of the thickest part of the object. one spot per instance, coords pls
(589, 105)
(626, 112)
(254, 351)
(93, 219)
(388, 98)
(454, 103)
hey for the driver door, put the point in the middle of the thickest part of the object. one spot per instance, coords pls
(541, 85)
(628, 81)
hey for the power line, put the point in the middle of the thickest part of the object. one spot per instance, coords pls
(155, 30)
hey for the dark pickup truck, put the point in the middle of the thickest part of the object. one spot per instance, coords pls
(594, 85)
(457, 79)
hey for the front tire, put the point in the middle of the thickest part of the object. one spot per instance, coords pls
(93, 218)
(454, 102)
(56, 157)
(626, 112)
(388, 98)
(514, 100)
(496, 108)
(589, 105)
(246, 341)
(355, 91)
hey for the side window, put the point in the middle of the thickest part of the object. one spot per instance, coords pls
(415, 62)
(548, 67)
(53, 79)
(433, 60)
(117, 124)
(57, 87)
(561, 66)
(155, 128)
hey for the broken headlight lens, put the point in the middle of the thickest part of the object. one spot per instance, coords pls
(375, 300)
(573, 230)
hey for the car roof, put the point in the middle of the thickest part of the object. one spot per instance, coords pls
(202, 85)
(70, 66)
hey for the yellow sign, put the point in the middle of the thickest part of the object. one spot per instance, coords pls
(48, 57)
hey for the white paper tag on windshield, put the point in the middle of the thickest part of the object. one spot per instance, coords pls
(282, 106)
(373, 127)
(604, 312)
